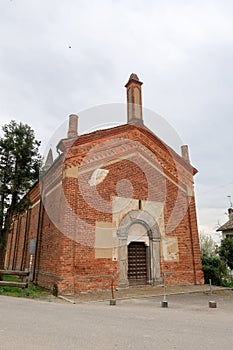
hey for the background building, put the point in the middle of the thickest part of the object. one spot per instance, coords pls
(227, 228)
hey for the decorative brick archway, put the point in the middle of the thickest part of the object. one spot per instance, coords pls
(141, 217)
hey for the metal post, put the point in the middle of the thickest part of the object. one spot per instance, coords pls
(30, 269)
(112, 290)
(212, 304)
(165, 287)
(164, 302)
(113, 300)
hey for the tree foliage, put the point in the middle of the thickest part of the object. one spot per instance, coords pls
(226, 251)
(19, 169)
(207, 245)
(214, 268)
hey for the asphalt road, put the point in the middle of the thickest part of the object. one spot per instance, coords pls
(188, 323)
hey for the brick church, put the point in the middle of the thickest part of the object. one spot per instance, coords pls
(116, 204)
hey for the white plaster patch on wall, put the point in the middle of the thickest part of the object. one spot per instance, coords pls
(71, 172)
(155, 209)
(170, 249)
(98, 176)
(115, 254)
(106, 241)
(122, 206)
(190, 191)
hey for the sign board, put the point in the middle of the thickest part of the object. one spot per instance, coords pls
(32, 247)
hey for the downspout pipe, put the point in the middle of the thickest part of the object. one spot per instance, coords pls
(25, 238)
(191, 238)
(16, 242)
(38, 230)
(10, 250)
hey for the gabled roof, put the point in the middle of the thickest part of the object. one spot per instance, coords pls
(114, 131)
(227, 226)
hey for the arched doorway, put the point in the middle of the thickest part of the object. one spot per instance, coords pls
(138, 252)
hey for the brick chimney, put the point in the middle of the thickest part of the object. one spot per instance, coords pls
(185, 153)
(134, 100)
(73, 126)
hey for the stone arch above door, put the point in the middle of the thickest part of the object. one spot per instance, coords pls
(144, 218)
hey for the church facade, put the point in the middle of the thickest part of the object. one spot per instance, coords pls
(117, 205)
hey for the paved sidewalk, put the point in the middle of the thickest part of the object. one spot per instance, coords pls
(145, 292)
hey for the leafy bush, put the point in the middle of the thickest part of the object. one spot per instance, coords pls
(227, 283)
(226, 251)
(214, 268)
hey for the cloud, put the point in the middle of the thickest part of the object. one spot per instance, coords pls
(62, 57)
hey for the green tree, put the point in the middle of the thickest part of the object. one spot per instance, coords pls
(207, 245)
(226, 251)
(214, 268)
(20, 163)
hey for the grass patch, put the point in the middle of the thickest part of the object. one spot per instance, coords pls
(32, 292)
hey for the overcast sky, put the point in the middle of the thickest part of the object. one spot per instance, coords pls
(60, 57)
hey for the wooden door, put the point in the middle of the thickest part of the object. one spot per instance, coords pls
(137, 266)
